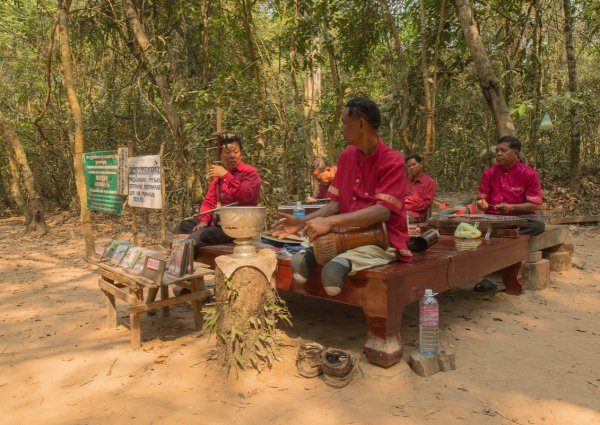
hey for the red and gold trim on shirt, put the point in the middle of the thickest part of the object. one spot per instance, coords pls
(389, 198)
(333, 190)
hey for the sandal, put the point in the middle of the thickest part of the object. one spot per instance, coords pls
(485, 285)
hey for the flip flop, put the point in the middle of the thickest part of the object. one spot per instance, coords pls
(485, 285)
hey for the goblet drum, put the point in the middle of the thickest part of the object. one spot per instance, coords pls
(242, 224)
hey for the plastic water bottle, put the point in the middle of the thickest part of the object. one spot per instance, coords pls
(299, 210)
(429, 321)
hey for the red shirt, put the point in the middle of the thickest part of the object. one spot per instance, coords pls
(362, 181)
(242, 185)
(517, 185)
(419, 195)
(323, 188)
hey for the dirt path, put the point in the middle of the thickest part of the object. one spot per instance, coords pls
(533, 359)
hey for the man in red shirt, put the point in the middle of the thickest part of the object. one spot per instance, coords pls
(368, 188)
(233, 181)
(420, 192)
(323, 171)
(511, 187)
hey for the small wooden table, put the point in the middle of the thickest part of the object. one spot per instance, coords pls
(116, 283)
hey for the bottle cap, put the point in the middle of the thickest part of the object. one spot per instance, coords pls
(429, 292)
(298, 203)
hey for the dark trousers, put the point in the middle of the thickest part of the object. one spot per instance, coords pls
(535, 225)
(210, 235)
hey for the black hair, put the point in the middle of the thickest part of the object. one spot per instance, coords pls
(230, 138)
(513, 142)
(320, 163)
(366, 108)
(414, 156)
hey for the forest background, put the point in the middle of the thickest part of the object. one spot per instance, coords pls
(449, 76)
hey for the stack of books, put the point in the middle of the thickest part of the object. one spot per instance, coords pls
(181, 261)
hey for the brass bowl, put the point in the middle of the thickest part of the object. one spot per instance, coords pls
(243, 222)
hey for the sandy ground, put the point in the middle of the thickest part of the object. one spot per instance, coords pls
(531, 359)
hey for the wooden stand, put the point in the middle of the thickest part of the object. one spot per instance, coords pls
(115, 283)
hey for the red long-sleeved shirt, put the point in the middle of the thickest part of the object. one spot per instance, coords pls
(419, 195)
(242, 185)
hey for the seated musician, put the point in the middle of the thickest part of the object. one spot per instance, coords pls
(234, 181)
(323, 171)
(368, 188)
(511, 187)
(420, 192)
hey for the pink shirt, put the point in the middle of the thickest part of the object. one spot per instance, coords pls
(419, 195)
(362, 181)
(242, 185)
(517, 185)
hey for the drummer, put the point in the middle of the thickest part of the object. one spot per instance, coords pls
(233, 181)
(323, 171)
(368, 188)
(511, 187)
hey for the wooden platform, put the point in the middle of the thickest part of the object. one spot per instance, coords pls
(115, 283)
(383, 292)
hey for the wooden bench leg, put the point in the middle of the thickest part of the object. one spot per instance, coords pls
(136, 330)
(512, 279)
(111, 310)
(197, 284)
(383, 308)
(164, 294)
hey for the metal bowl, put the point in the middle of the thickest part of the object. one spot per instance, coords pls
(242, 222)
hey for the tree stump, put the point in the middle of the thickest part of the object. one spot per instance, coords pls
(247, 308)
(536, 274)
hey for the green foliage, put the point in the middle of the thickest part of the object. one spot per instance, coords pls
(120, 103)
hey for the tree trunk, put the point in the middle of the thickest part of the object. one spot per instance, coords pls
(489, 83)
(436, 54)
(205, 38)
(575, 145)
(536, 76)
(337, 85)
(246, 9)
(312, 102)
(15, 184)
(294, 82)
(426, 90)
(403, 74)
(172, 116)
(78, 141)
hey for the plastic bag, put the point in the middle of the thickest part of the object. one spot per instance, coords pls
(546, 123)
(467, 231)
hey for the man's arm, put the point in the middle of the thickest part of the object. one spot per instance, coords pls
(246, 190)
(515, 209)
(365, 217)
(210, 201)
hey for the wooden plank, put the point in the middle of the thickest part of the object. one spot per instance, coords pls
(116, 292)
(574, 219)
(200, 295)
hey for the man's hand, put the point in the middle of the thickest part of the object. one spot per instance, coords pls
(504, 208)
(287, 225)
(216, 171)
(482, 204)
(201, 225)
(317, 227)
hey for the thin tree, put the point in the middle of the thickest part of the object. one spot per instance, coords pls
(34, 201)
(488, 82)
(575, 145)
(77, 138)
(15, 181)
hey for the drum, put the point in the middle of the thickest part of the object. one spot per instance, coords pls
(342, 239)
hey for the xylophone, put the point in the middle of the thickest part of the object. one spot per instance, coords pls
(500, 225)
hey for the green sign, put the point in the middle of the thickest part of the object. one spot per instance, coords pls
(102, 181)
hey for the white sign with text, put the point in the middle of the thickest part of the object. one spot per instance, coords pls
(144, 181)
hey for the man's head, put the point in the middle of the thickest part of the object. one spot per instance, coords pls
(322, 169)
(230, 151)
(361, 118)
(507, 151)
(413, 163)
